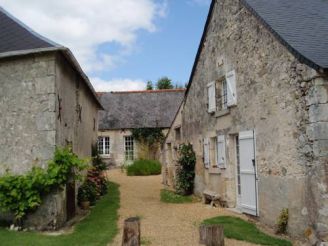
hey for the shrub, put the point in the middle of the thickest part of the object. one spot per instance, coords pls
(86, 192)
(97, 162)
(144, 168)
(282, 221)
(186, 170)
(21, 194)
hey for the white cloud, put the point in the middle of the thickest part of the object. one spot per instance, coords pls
(83, 25)
(118, 84)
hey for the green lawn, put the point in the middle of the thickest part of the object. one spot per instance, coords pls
(239, 229)
(99, 228)
(171, 197)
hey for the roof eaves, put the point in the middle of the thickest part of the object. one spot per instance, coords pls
(68, 55)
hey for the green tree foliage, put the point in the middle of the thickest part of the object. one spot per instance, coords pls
(164, 83)
(149, 136)
(149, 86)
(20, 194)
(186, 170)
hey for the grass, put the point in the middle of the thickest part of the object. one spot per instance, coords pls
(98, 229)
(168, 196)
(239, 229)
(144, 168)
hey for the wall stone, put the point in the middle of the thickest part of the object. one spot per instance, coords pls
(283, 100)
(32, 123)
(27, 115)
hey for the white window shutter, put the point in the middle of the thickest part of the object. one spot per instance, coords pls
(221, 151)
(231, 88)
(206, 153)
(211, 97)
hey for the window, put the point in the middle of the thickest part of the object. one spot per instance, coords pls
(178, 133)
(129, 148)
(206, 153)
(224, 95)
(104, 145)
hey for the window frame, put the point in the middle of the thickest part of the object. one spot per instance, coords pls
(128, 142)
(105, 146)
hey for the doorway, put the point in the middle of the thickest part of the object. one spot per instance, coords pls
(247, 184)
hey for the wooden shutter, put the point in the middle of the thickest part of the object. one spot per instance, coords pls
(221, 152)
(231, 88)
(206, 153)
(211, 97)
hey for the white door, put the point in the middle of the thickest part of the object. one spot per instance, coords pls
(247, 173)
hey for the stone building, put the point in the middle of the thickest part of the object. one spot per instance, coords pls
(46, 100)
(256, 111)
(125, 111)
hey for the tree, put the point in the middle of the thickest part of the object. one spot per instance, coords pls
(164, 83)
(149, 86)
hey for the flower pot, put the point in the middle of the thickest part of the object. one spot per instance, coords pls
(85, 205)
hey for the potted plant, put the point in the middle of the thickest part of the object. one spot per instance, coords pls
(83, 196)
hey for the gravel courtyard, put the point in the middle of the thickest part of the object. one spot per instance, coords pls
(161, 224)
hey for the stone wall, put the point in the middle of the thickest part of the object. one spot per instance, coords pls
(117, 151)
(27, 112)
(272, 88)
(169, 152)
(77, 112)
(117, 147)
(44, 103)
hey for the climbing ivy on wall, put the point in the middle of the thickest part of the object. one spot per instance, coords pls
(151, 138)
(186, 170)
(21, 194)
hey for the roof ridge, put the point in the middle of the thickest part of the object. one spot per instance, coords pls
(29, 29)
(141, 91)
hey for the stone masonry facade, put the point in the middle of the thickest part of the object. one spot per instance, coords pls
(44, 103)
(284, 101)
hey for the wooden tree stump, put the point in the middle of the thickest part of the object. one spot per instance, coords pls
(211, 235)
(131, 232)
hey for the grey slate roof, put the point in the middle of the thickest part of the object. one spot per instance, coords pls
(301, 25)
(139, 109)
(15, 36)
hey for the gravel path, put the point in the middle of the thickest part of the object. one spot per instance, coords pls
(162, 224)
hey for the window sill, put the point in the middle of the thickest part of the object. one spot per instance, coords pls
(222, 112)
(214, 170)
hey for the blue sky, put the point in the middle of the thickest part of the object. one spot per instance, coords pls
(121, 44)
(169, 51)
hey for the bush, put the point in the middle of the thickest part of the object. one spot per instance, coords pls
(21, 194)
(144, 168)
(87, 192)
(186, 170)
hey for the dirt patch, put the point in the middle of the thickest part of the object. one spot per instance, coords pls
(162, 224)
